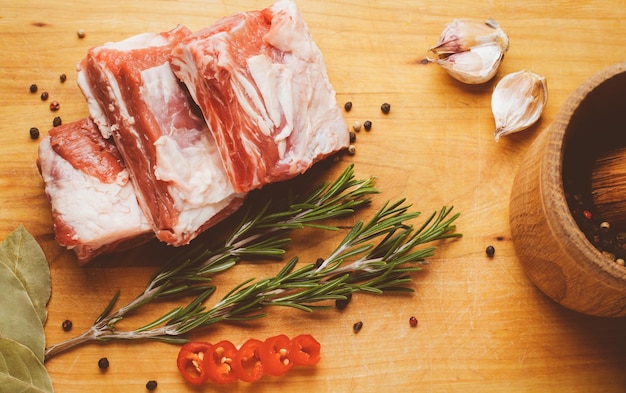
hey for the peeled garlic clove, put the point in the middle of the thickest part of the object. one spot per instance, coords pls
(477, 65)
(518, 101)
(461, 35)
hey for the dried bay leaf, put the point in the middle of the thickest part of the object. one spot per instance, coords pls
(18, 319)
(20, 370)
(23, 255)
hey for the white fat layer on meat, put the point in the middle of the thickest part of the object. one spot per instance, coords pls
(99, 213)
(143, 40)
(186, 155)
(95, 110)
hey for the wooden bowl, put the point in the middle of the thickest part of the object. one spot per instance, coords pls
(553, 250)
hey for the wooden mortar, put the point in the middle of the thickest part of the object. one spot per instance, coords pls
(552, 249)
(608, 186)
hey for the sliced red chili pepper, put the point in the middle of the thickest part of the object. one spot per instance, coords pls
(190, 361)
(247, 362)
(304, 350)
(275, 355)
(218, 360)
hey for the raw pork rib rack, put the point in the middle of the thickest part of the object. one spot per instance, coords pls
(195, 121)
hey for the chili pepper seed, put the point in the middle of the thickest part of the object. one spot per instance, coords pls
(385, 108)
(490, 251)
(44, 96)
(347, 106)
(33, 88)
(367, 125)
(54, 106)
(413, 321)
(151, 385)
(103, 363)
(357, 326)
(66, 325)
(34, 133)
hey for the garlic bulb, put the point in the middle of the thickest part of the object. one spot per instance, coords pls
(518, 101)
(471, 52)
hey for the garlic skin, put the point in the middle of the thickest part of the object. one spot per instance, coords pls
(518, 101)
(471, 52)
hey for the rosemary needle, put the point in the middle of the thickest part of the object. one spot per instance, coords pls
(374, 256)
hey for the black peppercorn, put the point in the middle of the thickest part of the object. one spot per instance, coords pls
(62, 78)
(357, 326)
(151, 385)
(44, 96)
(56, 121)
(490, 251)
(352, 136)
(343, 303)
(33, 88)
(103, 363)
(34, 133)
(347, 106)
(54, 106)
(385, 108)
(66, 325)
(367, 125)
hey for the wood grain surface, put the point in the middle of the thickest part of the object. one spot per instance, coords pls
(483, 327)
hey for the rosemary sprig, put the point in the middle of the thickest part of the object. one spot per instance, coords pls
(374, 256)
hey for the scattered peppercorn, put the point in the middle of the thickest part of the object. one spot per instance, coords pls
(66, 325)
(490, 251)
(351, 150)
(352, 137)
(587, 214)
(347, 106)
(367, 125)
(343, 303)
(34, 133)
(356, 126)
(385, 108)
(319, 262)
(33, 88)
(604, 225)
(413, 321)
(62, 78)
(80, 33)
(54, 106)
(357, 326)
(56, 121)
(151, 385)
(44, 96)
(103, 363)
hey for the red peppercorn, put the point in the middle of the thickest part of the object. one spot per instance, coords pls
(587, 214)
(54, 106)
(413, 321)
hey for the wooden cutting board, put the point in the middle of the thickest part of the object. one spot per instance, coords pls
(482, 325)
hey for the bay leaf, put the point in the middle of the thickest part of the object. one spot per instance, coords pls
(23, 255)
(20, 370)
(18, 319)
